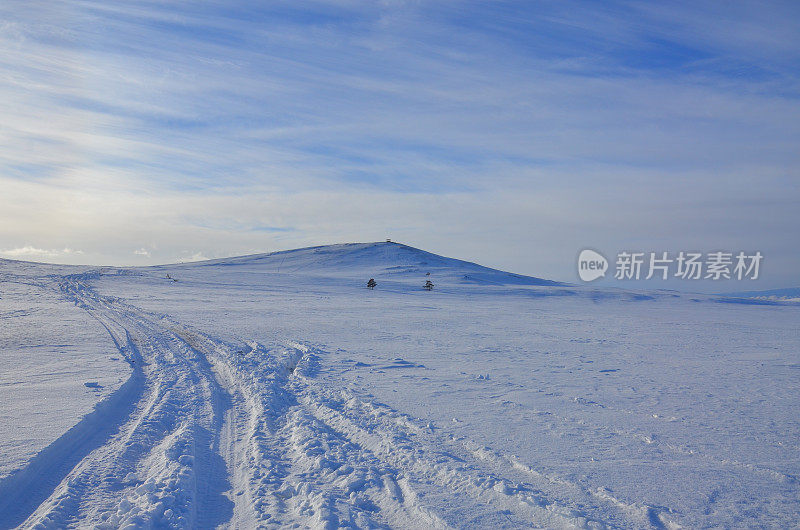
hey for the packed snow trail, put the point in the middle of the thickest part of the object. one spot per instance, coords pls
(207, 434)
(162, 465)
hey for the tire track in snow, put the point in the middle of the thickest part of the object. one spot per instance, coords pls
(323, 458)
(162, 466)
(22, 492)
(288, 468)
(247, 437)
(467, 469)
(491, 500)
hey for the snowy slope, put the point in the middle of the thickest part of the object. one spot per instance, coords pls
(276, 390)
(389, 261)
(57, 362)
(778, 295)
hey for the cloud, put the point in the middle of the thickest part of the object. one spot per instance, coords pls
(142, 252)
(195, 256)
(511, 133)
(29, 252)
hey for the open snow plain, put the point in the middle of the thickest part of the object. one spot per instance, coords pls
(277, 391)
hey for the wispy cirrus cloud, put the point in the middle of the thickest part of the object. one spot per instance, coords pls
(151, 125)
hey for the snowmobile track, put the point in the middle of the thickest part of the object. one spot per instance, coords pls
(207, 434)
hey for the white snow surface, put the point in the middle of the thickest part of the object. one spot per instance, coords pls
(276, 390)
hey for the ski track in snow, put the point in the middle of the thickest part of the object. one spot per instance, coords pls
(207, 434)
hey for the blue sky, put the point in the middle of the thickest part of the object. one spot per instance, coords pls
(509, 133)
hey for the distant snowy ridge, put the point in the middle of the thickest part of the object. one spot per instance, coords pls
(388, 259)
(791, 294)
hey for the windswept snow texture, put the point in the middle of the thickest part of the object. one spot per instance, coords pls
(277, 390)
(56, 363)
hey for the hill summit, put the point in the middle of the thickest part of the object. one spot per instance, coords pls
(381, 259)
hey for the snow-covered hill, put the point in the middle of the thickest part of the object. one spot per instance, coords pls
(388, 261)
(276, 390)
